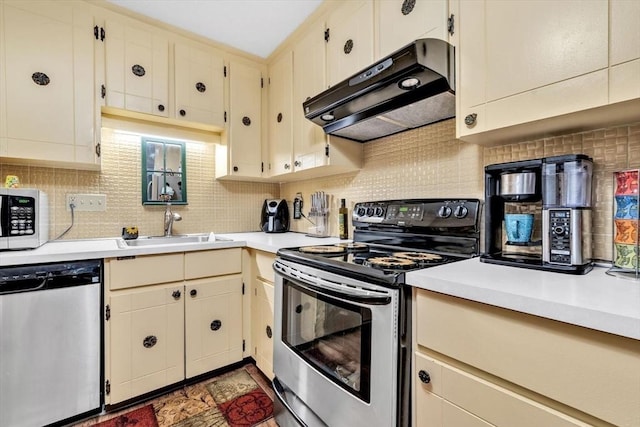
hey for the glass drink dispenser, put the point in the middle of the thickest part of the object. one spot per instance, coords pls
(625, 227)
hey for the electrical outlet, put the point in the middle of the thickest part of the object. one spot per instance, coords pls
(87, 202)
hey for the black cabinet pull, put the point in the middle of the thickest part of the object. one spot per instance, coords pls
(246, 121)
(235, 169)
(138, 70)
(183, 113)
(149, 341)
(348, 47)
(41, 79)
(193, 292)
(161, 107)
(470, 119)
(407, 6)
(176, 294)
(201, 87)
(215, 325)
(424, 376)
(279, 118)
(269, 331)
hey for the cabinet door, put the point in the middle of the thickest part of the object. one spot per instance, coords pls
(145, 340)
(624, 54)
(309, 79)
(280, 114)
(350, 44)
(199, 83)
(48, 103)
(400, 22)
(262, 325)
(137, 67)
(213, 323)
(245, 97)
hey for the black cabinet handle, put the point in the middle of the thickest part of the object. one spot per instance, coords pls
(424, 376)
(269, 331)
(149, 341)
(41, 79)
(215, 325)
(470, 119)
(176, 294)
(407, 6)
(193, 292)
(183, 113)
(348, 47)
(279, 117)
(246, 121)
(201, 87)
(161, 107)
(138, 70)
(235, 169)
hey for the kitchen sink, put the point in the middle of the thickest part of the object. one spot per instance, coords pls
(176, 239)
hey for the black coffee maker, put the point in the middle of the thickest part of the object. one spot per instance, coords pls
(275, 216)
(555, 193)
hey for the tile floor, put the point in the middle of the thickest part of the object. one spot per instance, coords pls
(188, 399)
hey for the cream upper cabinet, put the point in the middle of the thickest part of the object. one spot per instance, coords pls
(349, 37)
(199, 84)
(47, 107)
(137, 66)
(520, 62)
(213, 323)
(400, 22)
(309, 59)
(240, 154)
(280, 114)
(624, 50)
(508, 368)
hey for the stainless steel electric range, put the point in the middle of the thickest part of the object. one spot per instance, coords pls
(342, 342)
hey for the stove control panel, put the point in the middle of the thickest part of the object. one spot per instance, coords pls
(441, 213)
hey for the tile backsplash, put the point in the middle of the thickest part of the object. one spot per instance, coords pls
(426, 162)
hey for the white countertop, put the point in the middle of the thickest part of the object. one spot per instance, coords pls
(595, 300)
(68, 250)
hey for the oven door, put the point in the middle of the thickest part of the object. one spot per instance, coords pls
(335, 349)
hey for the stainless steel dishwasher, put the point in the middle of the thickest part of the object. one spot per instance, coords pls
(50, 342)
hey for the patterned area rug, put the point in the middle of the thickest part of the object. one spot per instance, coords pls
(236, 399)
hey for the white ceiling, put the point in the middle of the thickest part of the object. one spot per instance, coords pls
(254, 26)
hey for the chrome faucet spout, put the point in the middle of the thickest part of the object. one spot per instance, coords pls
(169, 218)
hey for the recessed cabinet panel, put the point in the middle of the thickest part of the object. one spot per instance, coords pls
(145, 270)
(199, 83)
(49, 82)
(137, 61)
(280, 114)
(530, 45)
(625, 31)
(244, 120)
(401, 22)
(213, 323)
(146, 350)
(309, 59)
(350, 45)
(212, 263)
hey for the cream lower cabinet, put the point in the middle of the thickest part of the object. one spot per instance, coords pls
(478, 365)
(170, 317)
(262, 314)
(213, 323)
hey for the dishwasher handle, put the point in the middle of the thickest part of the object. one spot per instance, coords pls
(38, 277)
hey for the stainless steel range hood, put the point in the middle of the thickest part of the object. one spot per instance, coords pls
(412, 87)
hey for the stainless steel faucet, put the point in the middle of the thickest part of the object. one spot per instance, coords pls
(169, 217)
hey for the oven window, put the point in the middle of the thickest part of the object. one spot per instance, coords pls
(332, 335)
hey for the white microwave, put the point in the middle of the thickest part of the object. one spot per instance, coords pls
(24, 218)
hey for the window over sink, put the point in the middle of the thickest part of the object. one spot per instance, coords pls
(164, 174)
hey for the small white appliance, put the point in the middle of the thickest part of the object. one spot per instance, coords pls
(24, 218)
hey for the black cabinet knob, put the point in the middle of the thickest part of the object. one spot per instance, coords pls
(183, 113)
(215, 325)
(470, 119)
(193, 292)
(176, 294)
(424, 376)
(269, 331)
(235, 169)
(149, 341)
(161, 107)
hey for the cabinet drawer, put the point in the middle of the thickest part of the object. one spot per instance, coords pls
(212, 263)
(485, 400)
(144, 270)
(551, 358)
(264, 262)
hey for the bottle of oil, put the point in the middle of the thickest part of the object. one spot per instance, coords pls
(343, 220)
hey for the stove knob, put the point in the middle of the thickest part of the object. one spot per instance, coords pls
(444, 212)
(460, 212)
(369, 211)
(361, 211)
(379, 211)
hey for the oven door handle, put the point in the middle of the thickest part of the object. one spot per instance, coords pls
(279, 392)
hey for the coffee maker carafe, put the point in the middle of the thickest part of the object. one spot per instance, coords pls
(538, 214)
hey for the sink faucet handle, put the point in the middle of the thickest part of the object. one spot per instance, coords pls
(164, 197)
